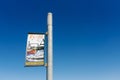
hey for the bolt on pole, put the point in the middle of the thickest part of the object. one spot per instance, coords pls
(50, 48)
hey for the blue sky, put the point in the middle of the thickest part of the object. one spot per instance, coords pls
(86, 38)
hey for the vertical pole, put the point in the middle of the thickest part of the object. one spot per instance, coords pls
(50, 48)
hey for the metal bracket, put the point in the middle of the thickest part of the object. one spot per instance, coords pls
(46, 64)
(46, 33)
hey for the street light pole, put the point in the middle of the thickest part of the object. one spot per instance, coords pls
(50, 48)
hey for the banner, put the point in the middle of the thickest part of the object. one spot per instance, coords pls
(35, 49)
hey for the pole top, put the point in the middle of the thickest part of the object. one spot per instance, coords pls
(49, 13)
(49, 18)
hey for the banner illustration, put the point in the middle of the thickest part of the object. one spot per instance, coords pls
(35, 49)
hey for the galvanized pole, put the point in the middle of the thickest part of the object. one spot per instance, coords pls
(50, 48)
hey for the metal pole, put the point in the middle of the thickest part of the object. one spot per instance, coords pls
(50, 48)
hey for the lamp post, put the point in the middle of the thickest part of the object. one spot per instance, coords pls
(50, 48)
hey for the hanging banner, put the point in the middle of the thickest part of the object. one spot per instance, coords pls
(35, 49)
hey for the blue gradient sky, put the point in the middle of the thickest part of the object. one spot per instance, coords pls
(86, 38)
